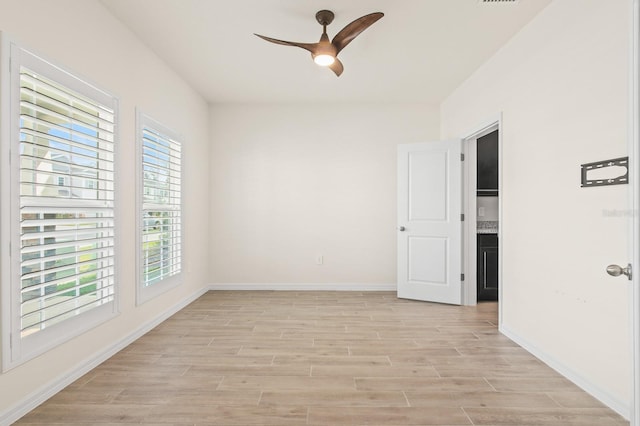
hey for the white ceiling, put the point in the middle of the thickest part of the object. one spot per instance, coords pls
(420, 51)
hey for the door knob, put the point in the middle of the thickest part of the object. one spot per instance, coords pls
(616, 271)
(401, 229)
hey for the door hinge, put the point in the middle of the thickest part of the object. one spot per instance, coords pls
(462, 217)
(461, 277)
(461, 156)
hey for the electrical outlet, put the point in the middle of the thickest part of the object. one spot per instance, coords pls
(319, 259)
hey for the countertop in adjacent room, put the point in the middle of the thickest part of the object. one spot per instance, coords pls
(487, 227)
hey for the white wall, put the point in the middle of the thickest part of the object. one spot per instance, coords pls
(562, 86)
(82, 37)
(293, 182)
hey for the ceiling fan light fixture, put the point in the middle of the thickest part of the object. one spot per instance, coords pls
(324, 60)
(325, 52)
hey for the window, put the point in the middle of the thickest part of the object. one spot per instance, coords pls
(160, 235)
(62, 229)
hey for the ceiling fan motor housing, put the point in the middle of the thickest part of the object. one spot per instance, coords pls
(324, 17)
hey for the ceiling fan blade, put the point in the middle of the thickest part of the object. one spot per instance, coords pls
(337, 67)
(311, 47)
(351, 31)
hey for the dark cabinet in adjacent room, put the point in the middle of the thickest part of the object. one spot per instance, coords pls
(487, 165)
(487, 267)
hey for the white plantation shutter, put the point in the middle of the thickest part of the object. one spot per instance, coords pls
(67, 233)
(63, 208)
(161, 215)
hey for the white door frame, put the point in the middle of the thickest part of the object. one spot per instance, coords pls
(469, 233)
(634, 172)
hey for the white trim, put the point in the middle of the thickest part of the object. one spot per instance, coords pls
(48, 390)
(634, 157)
(303, 286)
(13, 304)
(620, 407)
(484, 127)
(469, 234)
(5, 208)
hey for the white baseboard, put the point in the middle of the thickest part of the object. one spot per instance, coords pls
(48, 390)
(304, 287)
(621, 407)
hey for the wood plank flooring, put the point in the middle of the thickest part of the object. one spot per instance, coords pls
(323, 358)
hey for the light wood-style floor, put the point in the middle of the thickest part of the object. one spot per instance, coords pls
(324, 358)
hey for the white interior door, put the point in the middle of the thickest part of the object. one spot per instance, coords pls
(429, 221)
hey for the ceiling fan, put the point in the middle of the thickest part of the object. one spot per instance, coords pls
(325, 52)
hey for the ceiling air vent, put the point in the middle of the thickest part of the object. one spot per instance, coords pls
(498, 1)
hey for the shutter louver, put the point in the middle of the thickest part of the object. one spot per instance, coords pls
(66, 152)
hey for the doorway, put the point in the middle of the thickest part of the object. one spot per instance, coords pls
(483, 208)
(435, 192)
(487, 201)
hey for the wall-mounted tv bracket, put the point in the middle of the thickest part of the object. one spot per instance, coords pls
(607, 172)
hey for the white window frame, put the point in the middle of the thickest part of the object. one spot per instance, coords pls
(16, 349)
(146, 293)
